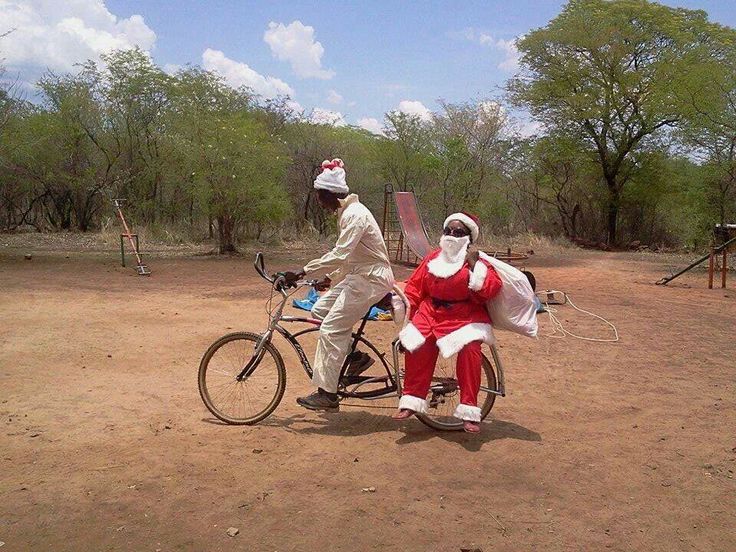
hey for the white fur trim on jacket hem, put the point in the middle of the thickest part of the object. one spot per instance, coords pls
(478, 276)
(454, 341)
(467, 413)
(416, 404)
(411, 338)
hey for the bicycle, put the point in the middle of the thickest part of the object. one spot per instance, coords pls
(242, 376)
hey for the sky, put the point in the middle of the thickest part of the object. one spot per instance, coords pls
(345, 62)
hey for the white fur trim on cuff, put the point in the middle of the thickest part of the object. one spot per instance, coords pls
(478, 276)
(453, 342)
(416, 404)
(411, 338)
(467, 413)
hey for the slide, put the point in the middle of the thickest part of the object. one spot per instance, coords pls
(414, 232)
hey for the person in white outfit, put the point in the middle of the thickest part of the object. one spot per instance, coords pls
(360, 255)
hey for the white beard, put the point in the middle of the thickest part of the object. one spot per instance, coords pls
(451, 258)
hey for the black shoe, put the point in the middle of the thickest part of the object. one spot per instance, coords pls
(359, 362)
(319, 400)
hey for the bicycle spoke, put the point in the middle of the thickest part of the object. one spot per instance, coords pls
(248, 398)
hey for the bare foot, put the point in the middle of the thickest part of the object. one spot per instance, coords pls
(403, 414)
(471, 427)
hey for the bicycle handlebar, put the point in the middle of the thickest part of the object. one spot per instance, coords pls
(261, 268)
(277, 280)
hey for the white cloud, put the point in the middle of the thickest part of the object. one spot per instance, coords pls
(238, 74)
(295, 107)
(334, 98)
(530, 128)
(371, 124)
(392, 88)
(172, 68)
(492, 109)
(415, 107)
(57, 35)
(295, 43)
(322, 116)
(510, 62)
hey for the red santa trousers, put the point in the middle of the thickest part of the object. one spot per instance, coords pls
(420, 367)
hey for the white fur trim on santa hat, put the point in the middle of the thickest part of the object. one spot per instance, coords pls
(410, 402)
(332, 178)
(478, 276)
(467, 221)
(467, 413)
(411, 338)
(453, 342)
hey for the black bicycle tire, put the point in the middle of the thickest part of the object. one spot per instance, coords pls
(202, 372)
(487, 366)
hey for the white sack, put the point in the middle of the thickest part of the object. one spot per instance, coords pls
(513, 309)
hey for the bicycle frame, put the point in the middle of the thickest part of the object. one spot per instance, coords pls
(277, 317)
(274, 325)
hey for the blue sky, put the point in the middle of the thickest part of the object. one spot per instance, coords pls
(356, 59)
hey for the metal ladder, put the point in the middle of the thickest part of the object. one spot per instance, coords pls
(141, 268)
(393, 234)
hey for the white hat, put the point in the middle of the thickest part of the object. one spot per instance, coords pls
(332, 177)
(471, 221)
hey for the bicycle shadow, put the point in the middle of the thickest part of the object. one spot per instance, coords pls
(491, 430)
(360, 423)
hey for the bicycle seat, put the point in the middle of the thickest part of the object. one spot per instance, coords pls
(384, 303)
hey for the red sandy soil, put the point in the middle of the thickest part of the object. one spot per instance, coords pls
(106, 445)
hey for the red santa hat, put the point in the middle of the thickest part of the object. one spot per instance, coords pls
(470, 221)
(332, 178)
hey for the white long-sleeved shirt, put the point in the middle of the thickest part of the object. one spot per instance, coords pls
(360, 248)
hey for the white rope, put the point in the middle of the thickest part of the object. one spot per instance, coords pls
(559, 328)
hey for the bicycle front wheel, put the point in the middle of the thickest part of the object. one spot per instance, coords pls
(251, 399)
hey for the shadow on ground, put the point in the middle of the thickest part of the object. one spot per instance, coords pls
(360, 423)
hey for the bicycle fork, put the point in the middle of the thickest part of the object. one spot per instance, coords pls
(258, 352)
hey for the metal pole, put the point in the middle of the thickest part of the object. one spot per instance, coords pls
(122, 250)
(718, 249)
(387, 190)
(724, 267)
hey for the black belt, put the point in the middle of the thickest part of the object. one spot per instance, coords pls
(443, 303)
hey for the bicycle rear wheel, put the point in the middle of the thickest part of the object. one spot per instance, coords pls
(251, 399)
(444, 393)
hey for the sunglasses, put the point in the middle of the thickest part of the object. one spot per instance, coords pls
(456, 232)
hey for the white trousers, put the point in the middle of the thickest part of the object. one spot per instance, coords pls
(339, 310)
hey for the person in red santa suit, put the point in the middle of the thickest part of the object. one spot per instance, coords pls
(447, 295)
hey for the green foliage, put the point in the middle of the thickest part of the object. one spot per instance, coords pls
(637, 103)
(614, 74)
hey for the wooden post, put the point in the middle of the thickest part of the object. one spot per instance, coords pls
(724, 267)
(711, 261)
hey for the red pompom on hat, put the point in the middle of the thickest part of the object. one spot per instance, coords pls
(335, 163)
(471, 221)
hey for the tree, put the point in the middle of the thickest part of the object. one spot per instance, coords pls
(469, 146)
(404, 152)
(235, 165)
(612, 72)
(710, 126)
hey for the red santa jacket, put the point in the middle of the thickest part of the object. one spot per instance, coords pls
(451, 308)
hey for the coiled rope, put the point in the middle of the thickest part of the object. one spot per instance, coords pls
(558, 328)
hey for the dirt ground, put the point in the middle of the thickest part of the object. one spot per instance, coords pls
(106, 445)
